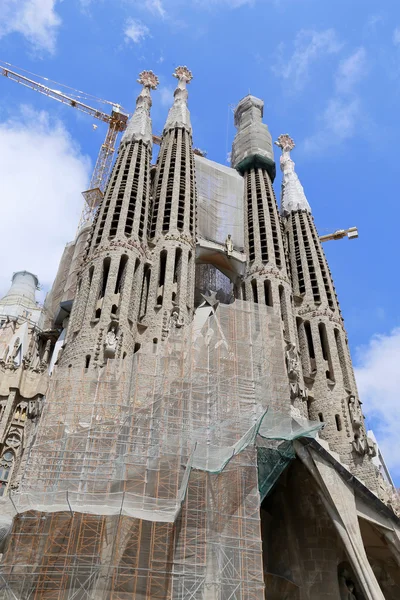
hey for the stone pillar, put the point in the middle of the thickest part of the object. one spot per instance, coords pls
(103, 323)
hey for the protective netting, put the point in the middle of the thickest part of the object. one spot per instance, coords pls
(143, 482)
(220, 192)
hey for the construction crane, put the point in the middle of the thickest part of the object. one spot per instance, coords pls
(351, 233)
(117, 122)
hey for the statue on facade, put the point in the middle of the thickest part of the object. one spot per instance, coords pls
(46, 356)
(293, 370)
(110, 343)
(175, 319)
(229, 244)
(361, 443)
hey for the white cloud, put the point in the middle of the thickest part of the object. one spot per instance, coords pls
(36, 20)
(136, 31)
(378, 379)
(396, 36)
(156, 7)
(343, 115)
(351, 71)
(309, 46)
(42, 175)
(337, 124)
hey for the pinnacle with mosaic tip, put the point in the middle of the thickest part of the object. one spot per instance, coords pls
(148, 79)
(183, 73)
(285, 142)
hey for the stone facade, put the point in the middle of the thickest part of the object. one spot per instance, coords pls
(25, 351)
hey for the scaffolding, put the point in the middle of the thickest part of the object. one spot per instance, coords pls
(142, 481)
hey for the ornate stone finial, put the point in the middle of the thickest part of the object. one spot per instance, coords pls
(179, 115)
(148, 79)
(139, 126)
(285, 142)
(183, 73)
(293, 196)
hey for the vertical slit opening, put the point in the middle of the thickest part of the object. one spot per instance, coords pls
(106, 270)
(121, 274)
(268, 293)
(310, 343)
(338, 422)
(145, 290)
(254, 290)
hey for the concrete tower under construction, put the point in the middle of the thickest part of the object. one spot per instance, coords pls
(181, 421)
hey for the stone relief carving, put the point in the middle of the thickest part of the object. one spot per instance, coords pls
(361, 443)
(175, 319)
(297, 391)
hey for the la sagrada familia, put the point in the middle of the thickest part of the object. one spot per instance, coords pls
(180, 420)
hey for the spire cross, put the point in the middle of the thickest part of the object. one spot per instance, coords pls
(285, 142)
(148, 79)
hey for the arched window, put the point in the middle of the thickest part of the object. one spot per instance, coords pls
(6, 466)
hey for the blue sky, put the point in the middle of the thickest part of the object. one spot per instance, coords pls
(329, 73)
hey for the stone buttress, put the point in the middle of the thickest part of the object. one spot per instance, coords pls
(168, 283)
(327, 367)
(103, 323)
(266, 279)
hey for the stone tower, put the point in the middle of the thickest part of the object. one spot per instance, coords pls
(168, 284)
(266, 278)
(25, 351)
(103, 323)
(327, 367)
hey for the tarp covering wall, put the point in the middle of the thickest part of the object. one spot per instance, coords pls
(143, 483)
(220, 192)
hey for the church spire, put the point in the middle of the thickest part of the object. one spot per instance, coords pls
(139, 126)
(179, 115)
(293, 196)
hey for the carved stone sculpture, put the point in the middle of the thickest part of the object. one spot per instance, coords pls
(293, 369)
(110, 343)
(229, 245)
(175, 320)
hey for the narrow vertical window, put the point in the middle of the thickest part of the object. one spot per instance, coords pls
(177, 264)
(106, 270)
(121, 274)
(145, 291)
(310, 343)
(323, 336)
(338, 422)
(284, 311)
(161, 277)
(243, 287)
(254, 290)
(87, 361)
(268, 293)
(321, 417)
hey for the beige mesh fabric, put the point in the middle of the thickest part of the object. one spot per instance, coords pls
(220, 193)
(142, 483)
